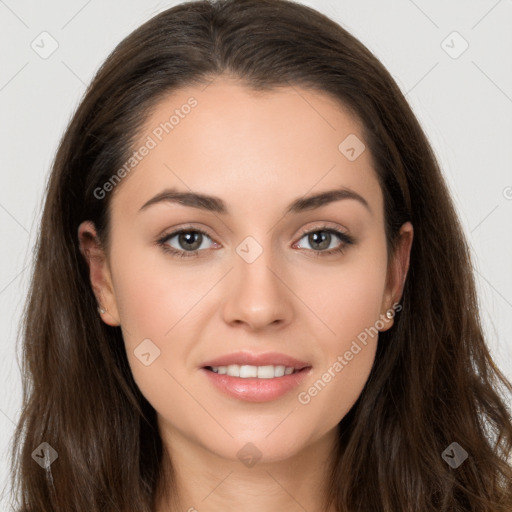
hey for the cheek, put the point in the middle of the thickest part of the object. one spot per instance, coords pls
(151, 298)
(348, 297)
(348, 302)
(161, 301)
(153, 293)
(335, 388)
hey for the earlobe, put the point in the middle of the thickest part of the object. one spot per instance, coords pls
(99, 272)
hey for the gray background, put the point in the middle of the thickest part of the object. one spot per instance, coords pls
(464, 103)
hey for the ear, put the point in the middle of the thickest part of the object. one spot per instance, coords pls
(99, 272)
(397, 272)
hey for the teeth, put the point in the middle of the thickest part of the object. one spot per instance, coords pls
(246, 371)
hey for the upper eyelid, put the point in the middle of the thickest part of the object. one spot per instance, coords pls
(185, 229)
(325, 226)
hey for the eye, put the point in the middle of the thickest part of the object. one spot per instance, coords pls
(190, 242)
(325, 241)
(185, 242)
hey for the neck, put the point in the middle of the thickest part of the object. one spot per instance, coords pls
(198, 480)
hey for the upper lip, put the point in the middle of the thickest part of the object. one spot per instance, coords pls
(267, 359)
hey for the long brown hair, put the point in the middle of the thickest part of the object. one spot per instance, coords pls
(433, 381)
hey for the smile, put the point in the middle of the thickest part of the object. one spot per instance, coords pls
(246, 371)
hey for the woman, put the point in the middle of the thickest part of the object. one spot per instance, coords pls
(252, 290)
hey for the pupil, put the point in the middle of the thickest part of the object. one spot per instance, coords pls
(189, 239)
(324, 239)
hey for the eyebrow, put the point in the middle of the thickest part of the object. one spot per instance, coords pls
(217, 205)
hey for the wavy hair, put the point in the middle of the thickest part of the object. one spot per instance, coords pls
(433, 381)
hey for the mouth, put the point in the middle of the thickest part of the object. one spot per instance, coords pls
(256, 377)
(250, 388)
(246, 371)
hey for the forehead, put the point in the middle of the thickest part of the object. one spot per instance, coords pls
(250, 147)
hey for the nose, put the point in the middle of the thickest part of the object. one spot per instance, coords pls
(258, 295)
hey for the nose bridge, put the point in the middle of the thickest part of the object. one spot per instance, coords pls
(257, 296)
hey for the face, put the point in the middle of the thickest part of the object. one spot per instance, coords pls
(257, 274)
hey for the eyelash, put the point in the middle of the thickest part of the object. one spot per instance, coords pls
(346, 240)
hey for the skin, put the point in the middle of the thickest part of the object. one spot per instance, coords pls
(258, 152)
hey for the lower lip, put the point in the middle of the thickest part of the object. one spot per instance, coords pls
(253, 389)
